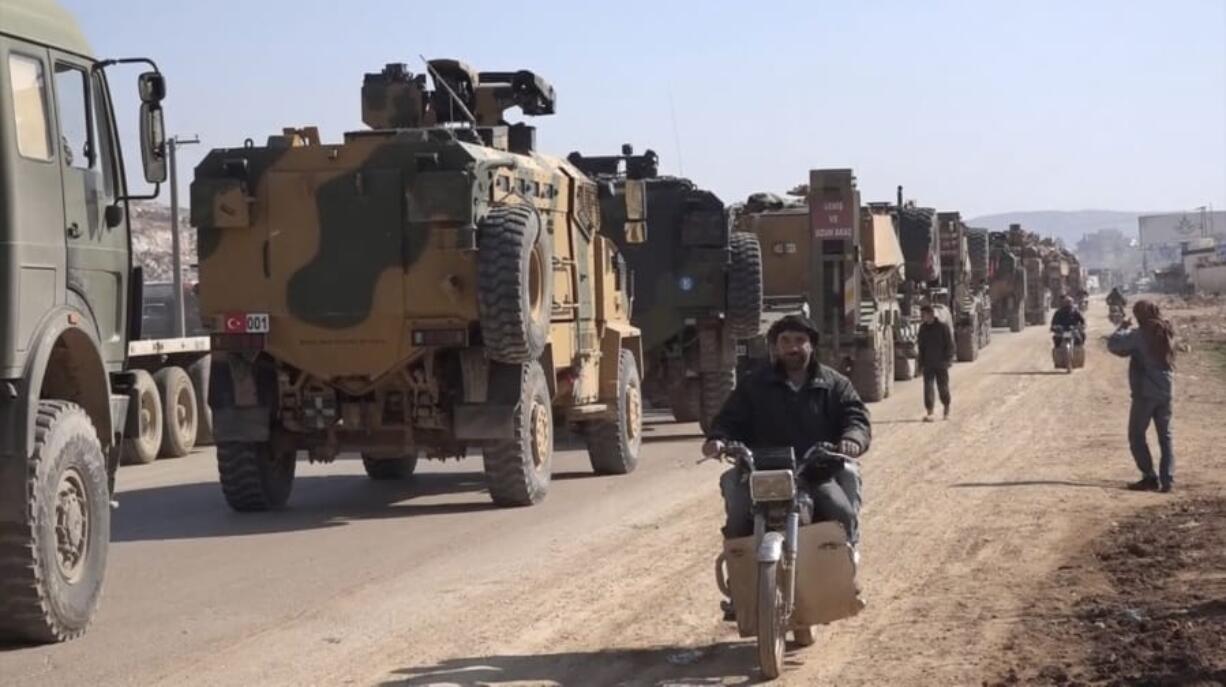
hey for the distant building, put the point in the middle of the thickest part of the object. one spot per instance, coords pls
(1164, 237)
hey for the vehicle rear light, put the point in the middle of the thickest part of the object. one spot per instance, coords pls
(236, 342)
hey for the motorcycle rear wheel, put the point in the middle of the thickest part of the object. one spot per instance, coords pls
(772, 631)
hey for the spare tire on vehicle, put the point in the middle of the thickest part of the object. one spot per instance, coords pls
(744, 317)
(514, 283)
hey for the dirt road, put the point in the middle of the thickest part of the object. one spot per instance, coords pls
(610, 580)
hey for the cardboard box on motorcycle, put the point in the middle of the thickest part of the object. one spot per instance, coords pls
(825, 578)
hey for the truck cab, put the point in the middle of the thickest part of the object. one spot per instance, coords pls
(66, 315)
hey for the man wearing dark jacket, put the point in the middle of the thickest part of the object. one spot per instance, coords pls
(1069, 316)
(794, 401)
(936, 354)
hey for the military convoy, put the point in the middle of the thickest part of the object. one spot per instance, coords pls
(429, 285)
(838, 263)
(697, 283)
(969, 303)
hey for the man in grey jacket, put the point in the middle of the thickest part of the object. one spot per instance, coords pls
(1151, 373)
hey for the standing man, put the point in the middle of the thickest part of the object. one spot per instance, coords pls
(936, 354)
(1150, 349)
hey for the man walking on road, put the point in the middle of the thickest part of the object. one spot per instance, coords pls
(936, 354)
(1150, 349)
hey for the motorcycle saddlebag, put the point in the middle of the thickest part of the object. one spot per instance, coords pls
(826, 588)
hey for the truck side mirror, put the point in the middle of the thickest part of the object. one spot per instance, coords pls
(152, 87)
(153, 142)
(636, 211)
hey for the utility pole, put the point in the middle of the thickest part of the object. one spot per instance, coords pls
(178, 317)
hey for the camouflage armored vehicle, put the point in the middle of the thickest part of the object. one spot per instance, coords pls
(1008, 283)
(697, 284)
(970, 306)
(430, 285)
(71, 306)
(838, 263)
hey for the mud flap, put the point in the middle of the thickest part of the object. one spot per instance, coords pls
(484, 422)
(826, 588)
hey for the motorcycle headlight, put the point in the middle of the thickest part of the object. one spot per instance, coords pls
(772, 485)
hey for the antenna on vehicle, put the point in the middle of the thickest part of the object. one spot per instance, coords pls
(455, 98)
(676, 136)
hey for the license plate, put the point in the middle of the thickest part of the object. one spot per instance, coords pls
(246, 323)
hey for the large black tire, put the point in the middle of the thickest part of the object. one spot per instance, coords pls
(389, 468)
(771, 630)
(514, 284)
(868, 377)
(1017, 315)
(613, 444)
(53, 561)
(966, 341)
(887, 359)
(744, 317)
(685, 400)
(143, 448)
(519, 470)
(179, 411)
(715, 389)
(200, 373)
(254, 477)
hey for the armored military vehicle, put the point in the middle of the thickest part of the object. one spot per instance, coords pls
(838, 263)
(968, 302)
(430, 285)
(71, 306)
(697, 284)
(1038, 291)
(1007, 286)
(919, 240)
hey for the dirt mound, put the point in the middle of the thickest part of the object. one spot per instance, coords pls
(1145, 606)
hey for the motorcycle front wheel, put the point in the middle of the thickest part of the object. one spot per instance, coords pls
(1068, 360)
(771, 623)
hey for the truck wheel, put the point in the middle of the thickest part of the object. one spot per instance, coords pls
(519, 470)
(1016, 315)
(685, 400)
(179, 411)
(515, 284)
(143, 448)
(53, 561)
(200, 373)
(613, 445)
(887, 359)
(716, 388)
(869, 376)
(966, 342)
(744, 286)
(254, 477)
(389, 468)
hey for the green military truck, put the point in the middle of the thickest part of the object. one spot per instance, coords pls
(970, 306)
(70, 308)
(697, 283)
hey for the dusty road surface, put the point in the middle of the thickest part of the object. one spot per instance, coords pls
(610, 581)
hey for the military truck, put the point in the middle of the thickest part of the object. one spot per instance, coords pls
(429, 285)
(919, 239)
(1038, 292)
(697, 284)
(71, 306)
(840, 264)
(170, 370)
(968, 301)
(1007, 286)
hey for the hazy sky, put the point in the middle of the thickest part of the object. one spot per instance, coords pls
(978, 106)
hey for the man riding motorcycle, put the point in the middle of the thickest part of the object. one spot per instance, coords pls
(794, 401)
(1116, 298)
(1069, 316)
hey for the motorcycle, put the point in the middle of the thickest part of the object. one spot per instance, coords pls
(1067, 353)
(759, 575)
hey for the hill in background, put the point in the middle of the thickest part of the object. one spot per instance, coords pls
(1069, 226)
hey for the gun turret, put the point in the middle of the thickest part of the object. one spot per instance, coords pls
(645, 166)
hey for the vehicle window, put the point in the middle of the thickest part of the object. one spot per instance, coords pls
(103, 135)
(30, 107)
(72, 95)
